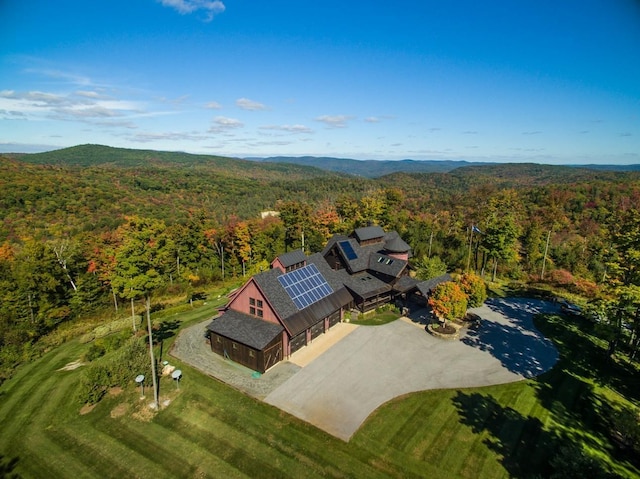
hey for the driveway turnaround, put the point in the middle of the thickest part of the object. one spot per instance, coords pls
(372, 365)
(357, 369)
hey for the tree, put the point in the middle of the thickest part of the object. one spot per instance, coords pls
(428, 268)
(475, 289)
(141, 263)
(448, 301)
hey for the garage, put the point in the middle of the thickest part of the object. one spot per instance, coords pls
(297, 341)
(317, 329)
(334, 319)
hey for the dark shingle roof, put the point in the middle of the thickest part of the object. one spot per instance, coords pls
(369, 232)
(425, 287)
(291, 317)
(395, 244)
(242, 328)
(292, 257)
(382, 263)
(366, 285)
(405, 283)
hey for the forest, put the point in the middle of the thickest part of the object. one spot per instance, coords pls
(77, 224)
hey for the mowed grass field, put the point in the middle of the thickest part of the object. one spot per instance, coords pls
(210, 430)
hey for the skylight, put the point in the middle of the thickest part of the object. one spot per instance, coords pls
(348, 250)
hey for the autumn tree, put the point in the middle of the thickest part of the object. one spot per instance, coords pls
(474, 287)
(448, 301)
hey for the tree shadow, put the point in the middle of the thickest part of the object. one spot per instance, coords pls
(7, 467)
(523, 445)
(516, 343)
(584, 357)
(165, 330)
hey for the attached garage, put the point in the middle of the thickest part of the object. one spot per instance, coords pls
(317, 329)
(246, 340)
(298, 341)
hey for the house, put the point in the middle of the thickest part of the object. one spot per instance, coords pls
(277, 312)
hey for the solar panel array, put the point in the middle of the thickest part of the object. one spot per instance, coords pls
(305, 286)
(348, 250)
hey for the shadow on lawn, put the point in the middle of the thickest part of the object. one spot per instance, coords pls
(525, 448)
(517, 345)
(7, 467)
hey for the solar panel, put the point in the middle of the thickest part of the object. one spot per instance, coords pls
(305, 286)
(348, 250)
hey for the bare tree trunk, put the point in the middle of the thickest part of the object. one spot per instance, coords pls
(151, 355)
(133, 315)
(495, 269)
(115, 299)
(59, 250)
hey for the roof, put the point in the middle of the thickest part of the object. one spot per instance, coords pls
(369, 233)
(286, 309)
(385, 264)
(292, 257)
(395, 244)
(365, 285)
(405, 283)
(242, 328)
(426, 287)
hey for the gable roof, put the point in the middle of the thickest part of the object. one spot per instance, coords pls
(294, 319)
(242, 328)
(385, 264)
(369, 232)
(292, 257)
(426, 287)
(366, 285)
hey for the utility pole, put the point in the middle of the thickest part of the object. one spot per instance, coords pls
(544, 260)
(430, 242)
(470, 241)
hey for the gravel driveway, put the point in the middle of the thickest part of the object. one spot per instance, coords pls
(340, 388)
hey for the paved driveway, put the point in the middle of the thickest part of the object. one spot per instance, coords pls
(369, 365)
(343, 386)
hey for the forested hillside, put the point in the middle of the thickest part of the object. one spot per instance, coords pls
(69, 216)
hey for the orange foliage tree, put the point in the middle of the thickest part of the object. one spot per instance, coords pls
(448, 301)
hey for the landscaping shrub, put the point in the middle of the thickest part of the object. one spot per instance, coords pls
(475, 289)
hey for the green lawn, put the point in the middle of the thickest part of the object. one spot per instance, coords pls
(210, 430)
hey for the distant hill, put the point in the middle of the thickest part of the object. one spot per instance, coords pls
(100, 155)
(378, 168)
(370, 168)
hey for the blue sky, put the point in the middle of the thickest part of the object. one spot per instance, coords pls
(536, 81)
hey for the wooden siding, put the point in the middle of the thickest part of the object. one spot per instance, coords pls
(258, 360)
(241, 302)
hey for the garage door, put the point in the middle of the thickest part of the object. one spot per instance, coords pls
(317, 329)
(334, 319)
(298, 341)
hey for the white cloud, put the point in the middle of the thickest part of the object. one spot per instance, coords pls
(372, 119)
(251, 105)
(223, 123)
(88, 94)
(334, 121)
(169, 135)
(213, 105)
(184, 7)
(288, 128)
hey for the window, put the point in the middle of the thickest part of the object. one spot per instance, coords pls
(252, 354)
(235, 346)
(255, 307)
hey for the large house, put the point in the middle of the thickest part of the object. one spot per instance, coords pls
(279, 311)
